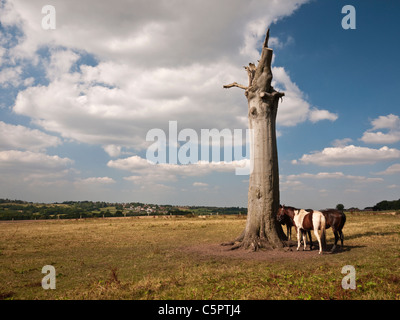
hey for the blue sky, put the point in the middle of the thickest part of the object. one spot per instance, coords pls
(78, 101)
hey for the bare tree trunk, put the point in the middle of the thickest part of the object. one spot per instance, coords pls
(262, 229)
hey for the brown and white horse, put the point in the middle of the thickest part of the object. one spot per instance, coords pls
(304, 221)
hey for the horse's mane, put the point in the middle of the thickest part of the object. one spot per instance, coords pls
(289, 207)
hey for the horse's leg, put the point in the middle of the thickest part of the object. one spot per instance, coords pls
(336, 239)
(319, 239)
(341, 237)
(305, 240)
(309, 235)
(298, 238)
(289, 232)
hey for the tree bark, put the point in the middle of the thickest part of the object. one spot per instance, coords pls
(262, 229)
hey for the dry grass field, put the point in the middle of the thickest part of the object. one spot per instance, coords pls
(180, 258)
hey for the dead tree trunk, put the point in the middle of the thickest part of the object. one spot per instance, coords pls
(262, 229)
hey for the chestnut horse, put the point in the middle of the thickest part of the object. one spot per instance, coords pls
(334, 218)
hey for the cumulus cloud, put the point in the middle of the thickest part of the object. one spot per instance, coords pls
(32, 160)
(316, 115)
(36, 176)
(155, 64)
(393, 169)
(10, 76)
(112, 105)
(148, 32)
(349, 155)
(18, 168)
(331, 175)
(341, 142)
(295, 108)
(95, 181)
(149, 62)
(390, 123)
(20, 137)
(112, 150)
(200, 184)
(145, 171)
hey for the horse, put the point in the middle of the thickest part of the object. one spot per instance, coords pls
(305, 221)
(285, 217)
(334, 218)
(287, 220)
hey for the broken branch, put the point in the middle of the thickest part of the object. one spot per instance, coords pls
(266, 40)
(235, 84)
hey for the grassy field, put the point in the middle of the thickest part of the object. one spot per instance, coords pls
(155, 258)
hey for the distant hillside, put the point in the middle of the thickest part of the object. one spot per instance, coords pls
(22, 210)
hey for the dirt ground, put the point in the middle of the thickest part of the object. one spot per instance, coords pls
(288, 253)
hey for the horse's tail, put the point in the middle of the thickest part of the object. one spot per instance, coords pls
(323, 233)
(343, 221)
(341, 227)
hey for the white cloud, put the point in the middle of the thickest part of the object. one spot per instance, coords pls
(294, 108)
(148, 32)
(145, 171)
(155, 65)
(20, 137)
(320, 175)
(380, 137)
(318, 115)
(113, 105)
(2, 52)
(255, 30)
(95, 181)
(60, 63)
(341, 142)
(157, 61)
(24, 169)
(277, 43)
(10, 76)
(112, 150)
(391, 123)
(200, 184)
(386, 122)
(393, 169)
(292, 185)
(32, 160)
(332, 175)
(349, 155)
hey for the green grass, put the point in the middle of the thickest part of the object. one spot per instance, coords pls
(131, 258)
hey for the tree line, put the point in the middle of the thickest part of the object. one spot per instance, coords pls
(22, 210)
(387, 205)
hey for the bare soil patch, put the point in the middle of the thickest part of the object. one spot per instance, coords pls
(288, 253)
